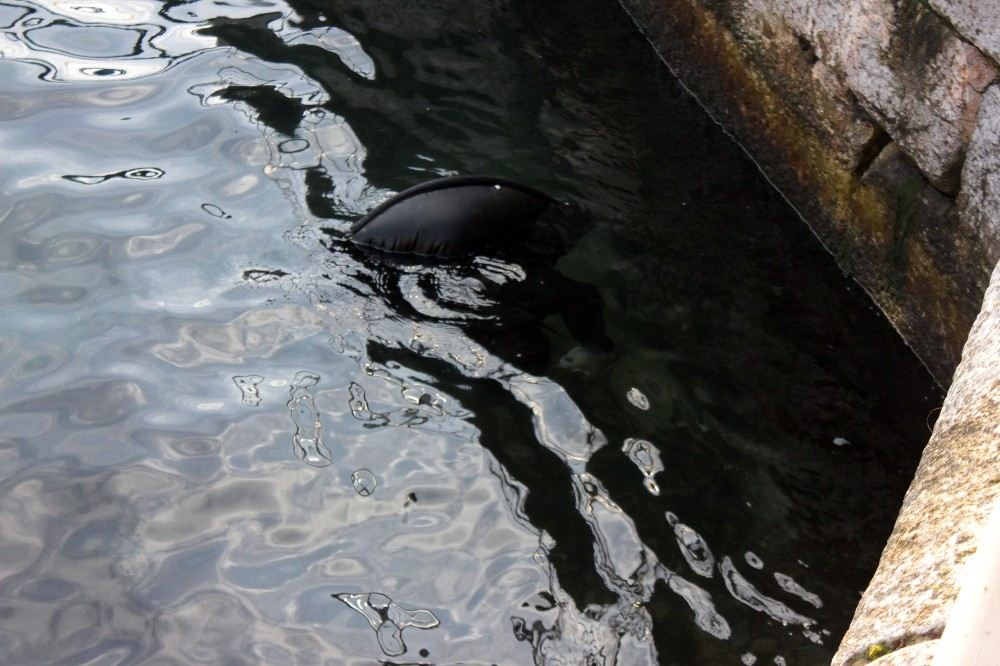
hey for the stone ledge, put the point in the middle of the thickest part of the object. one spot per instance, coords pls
(944, 513)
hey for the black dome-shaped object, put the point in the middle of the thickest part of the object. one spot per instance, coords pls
(448, 217)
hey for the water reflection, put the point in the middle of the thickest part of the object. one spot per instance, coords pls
(455, 417)
(637, 399)
(307, 442)
(788, 584)
(646, 457)
(364, 482)
(746, 593)
(693, 547)
(388, 618)
(700, 602)
(143, 173)
(78, 41)
(215, 211)
(249, 387)
(753, 560)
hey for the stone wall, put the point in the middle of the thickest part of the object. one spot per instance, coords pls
(880, 122)
(904, 611)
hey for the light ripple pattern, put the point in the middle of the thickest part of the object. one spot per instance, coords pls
(221, 423)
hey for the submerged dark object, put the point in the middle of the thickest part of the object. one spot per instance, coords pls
(449, 217)
(516, 227)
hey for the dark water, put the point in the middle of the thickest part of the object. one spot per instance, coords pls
(227, 437)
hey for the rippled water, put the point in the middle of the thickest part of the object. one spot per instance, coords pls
(227, 436)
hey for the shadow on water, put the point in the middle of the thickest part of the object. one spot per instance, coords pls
(667, 430)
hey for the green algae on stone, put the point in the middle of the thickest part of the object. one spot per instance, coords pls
(876, 650)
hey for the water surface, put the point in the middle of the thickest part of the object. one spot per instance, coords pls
(226, 436)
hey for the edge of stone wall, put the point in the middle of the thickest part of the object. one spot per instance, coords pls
(906, 607)
(924, 256)
(904, 240)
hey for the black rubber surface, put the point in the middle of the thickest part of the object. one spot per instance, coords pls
(453, 216)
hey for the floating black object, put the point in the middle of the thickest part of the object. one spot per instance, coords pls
(449, 217)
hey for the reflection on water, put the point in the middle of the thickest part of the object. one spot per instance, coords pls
(449, 436)
(307, 442)
(133, 174)
(745, 592)
(637, 399)
(788, 584)
(249, 387)
(388, 618)
(646, 457)
(753, 560)
(364, 482)
(693, 547)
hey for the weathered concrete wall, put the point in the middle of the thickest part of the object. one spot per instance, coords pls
(907, 604)
(877, 119)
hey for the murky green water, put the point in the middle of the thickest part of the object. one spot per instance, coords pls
(227, 437)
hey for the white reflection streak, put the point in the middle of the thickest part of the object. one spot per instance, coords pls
(388, 618)
(693, 547)
(160, 45)
(338, 41)
(307, 441)
(789, 585)
(646, 457)
(744, 592)
(705, 615)
(558, 422)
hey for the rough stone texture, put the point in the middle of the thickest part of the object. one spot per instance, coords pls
(868, 115)
(926, 236)
(918, 79)
(919, 654)
(972, 635)
(816, 93)
(911, 72)
(944, 512)
(798, 83)
(977, 20)
(979, 200)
